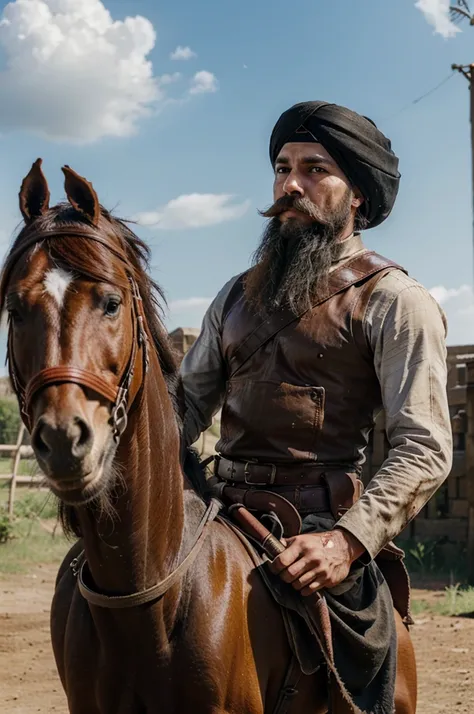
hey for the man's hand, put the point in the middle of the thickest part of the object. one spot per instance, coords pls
(317, 560)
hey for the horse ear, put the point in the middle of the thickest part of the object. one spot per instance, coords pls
(34, 193)
(81, 195)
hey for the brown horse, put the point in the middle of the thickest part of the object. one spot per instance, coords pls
(164, 610)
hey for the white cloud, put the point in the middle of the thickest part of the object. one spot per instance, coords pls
(203, 82)
(187, 312)
(437, 14)
(442, 294)
(193, 303)
(74, 73)
(182, 53)
(170, 78)
(458, 305)
(194, 210)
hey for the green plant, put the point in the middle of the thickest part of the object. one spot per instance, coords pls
(9, 421)
(36, 504)
(31, 544)
(435, 557)
(457, 601)
(452, 594)
(424, 555)
(6, 528)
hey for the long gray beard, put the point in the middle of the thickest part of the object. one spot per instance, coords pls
(291, 265)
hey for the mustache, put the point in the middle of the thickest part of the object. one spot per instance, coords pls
(298, 203)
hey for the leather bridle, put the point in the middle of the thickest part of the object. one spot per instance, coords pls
(121, 401)
(119, 395)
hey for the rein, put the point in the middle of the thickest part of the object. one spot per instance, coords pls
(120, 602)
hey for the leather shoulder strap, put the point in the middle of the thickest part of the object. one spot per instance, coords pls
(360, 308)
(235, 294)
(353, 271)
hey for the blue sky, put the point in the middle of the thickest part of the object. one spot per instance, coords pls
(189, 153)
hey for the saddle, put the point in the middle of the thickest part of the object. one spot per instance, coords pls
(332, 491)
(261, 518)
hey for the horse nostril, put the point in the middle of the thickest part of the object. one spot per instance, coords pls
(39, 438)
(61, 441)
(82, 439)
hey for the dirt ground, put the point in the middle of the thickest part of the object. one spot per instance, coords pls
(445, 660)
(28, 678)
(29, 682)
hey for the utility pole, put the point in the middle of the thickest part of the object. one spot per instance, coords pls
(468, 71)
(460, 12)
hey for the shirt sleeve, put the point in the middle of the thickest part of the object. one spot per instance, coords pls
(406, 330)
(203, 373)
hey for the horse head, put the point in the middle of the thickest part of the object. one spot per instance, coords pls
(81, 314)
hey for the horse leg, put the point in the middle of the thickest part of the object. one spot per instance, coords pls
(406, 682)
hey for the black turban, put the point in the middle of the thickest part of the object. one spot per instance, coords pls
(360, 150)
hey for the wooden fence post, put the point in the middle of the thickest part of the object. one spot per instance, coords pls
(470, 466)
(16, 463)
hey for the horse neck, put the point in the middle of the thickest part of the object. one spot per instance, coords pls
(139, 543)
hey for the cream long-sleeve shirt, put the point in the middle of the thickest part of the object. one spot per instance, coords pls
(406, 330)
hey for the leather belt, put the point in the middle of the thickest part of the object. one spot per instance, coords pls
(306, 499)
(258, 474)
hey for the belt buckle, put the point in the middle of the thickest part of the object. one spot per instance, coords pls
(256, 483)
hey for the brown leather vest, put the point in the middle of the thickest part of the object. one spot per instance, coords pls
(310, 392)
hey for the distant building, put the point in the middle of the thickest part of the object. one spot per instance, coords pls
(183, 338)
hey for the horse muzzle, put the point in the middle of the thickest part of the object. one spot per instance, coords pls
(63, 449)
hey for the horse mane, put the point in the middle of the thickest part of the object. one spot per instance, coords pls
(195, 472)
(93, 260)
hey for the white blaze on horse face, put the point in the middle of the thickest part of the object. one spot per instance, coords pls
(56, 282)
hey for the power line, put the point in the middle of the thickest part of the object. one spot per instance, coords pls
(419, 99)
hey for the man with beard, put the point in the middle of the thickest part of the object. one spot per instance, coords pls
(302, 351)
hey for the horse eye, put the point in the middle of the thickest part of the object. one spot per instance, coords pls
(112, 307)
(14, 315)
